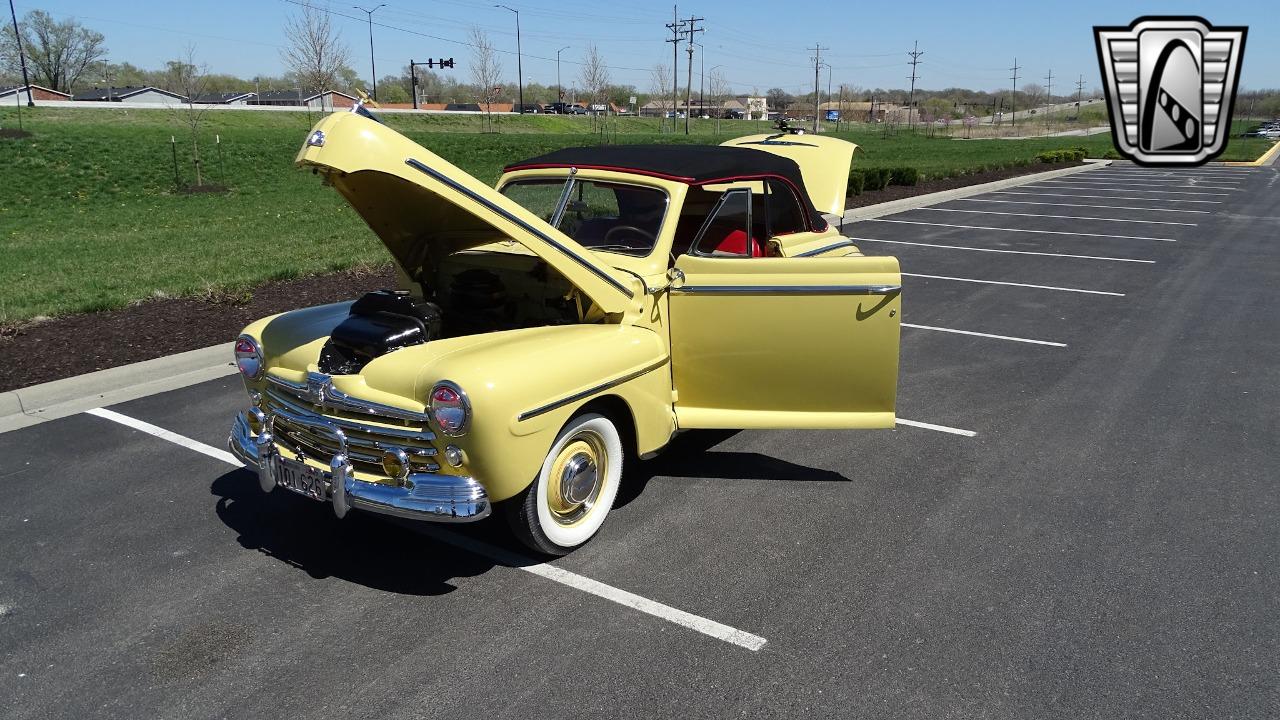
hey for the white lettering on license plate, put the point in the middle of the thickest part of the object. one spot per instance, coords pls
(300, 478)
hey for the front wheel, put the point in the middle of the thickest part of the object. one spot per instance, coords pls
(574, 490)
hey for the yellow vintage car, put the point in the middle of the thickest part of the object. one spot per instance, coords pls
(578, 316)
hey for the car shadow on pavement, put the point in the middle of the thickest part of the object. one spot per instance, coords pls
(361, 549)
(691, 455)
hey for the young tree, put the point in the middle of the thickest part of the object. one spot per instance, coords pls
(58, 53)
(595, 77)
(720, 92)
(660, 88)
(779, 99)
(315, 53)
(486, 69)
(191, 81)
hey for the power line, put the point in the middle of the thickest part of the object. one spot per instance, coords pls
(1048, 113)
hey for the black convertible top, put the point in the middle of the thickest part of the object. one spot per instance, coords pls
(692, 164)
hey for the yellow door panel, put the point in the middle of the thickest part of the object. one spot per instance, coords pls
(785, 342)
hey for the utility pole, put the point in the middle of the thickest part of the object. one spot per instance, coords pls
(22, 58)
(915, 54)
(817, 94)
(829, 94)
(1048, 112)
(373, 69)
(688, 88)
(675, 26)
(519, 57)
(559, 87)
(1013, 96)
(1079, 92)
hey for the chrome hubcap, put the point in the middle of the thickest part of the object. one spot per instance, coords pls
(577, 478)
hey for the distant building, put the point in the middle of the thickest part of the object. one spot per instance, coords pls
(327, 100)
(225, 98)
(277, 97)
(23, 93)
(133, 94)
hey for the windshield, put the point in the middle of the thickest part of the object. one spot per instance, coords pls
(599, 215)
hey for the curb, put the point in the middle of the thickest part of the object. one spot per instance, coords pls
(910, 203)
(1267, 158)
(52, 400)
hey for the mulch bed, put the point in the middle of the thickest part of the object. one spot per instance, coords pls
(897, 192)
(40, 351)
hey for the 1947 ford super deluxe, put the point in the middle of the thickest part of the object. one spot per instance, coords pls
(594, 304)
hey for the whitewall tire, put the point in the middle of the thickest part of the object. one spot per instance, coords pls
(575, 488)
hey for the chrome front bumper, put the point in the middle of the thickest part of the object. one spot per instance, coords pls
(422, 496)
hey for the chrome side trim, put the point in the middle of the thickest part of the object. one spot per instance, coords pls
(557, 404)
(786, 289)
(829, 248)
(511, 218)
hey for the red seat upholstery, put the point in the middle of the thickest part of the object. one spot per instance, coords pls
(735, 243)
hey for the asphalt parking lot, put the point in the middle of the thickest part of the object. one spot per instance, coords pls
(1084, 528)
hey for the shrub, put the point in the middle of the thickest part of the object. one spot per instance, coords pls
(855, 182)
(904, 176)
(875, 179)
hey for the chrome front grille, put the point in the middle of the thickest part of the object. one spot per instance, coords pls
(294, 423)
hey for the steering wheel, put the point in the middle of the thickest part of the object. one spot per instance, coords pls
(645, 235)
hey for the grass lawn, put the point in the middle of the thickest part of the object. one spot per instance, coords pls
(89, 218)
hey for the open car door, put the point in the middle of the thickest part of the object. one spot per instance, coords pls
(785, 342)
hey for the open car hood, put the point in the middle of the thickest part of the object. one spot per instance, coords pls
(424, 208)
(824, 163)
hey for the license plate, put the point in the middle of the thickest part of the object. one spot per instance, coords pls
(300, 478)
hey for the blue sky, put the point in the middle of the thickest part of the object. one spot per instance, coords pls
(760, 45)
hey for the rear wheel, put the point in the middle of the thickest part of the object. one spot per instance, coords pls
(575, 488)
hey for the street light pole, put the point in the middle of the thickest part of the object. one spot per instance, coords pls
(520, 58)
(22, 59)
(559, 87)
(373, 69)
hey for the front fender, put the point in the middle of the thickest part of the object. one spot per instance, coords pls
(525, 388)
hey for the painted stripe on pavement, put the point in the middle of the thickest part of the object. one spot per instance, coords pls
(931, 426)
(697, 623)
(1022, 230)
(985, 335)
(1083, 205)
(1010, 252)
(1104, 197)
(1013, 284)
(1059, 217)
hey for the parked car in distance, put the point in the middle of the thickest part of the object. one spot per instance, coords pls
(547, 332)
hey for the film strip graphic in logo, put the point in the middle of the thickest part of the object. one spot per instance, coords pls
(1170, 84)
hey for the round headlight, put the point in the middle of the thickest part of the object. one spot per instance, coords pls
(248, 357)
(395, 463)
(450, 409)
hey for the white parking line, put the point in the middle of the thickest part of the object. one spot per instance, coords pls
(939, 428)
(1184, 181)
(1104, 197)
(1082, 205)
(985, 335)
(1013, 284)
(148, 428)
(1059, 217)
(993, 250)
(1125, 187)
(550, 572)
(1023, 230)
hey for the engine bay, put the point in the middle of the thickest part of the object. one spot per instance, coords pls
(472, 292)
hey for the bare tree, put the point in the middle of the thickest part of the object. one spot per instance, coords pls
(719, 90)
(486, 69)
(660, 87)
(595, 77)
(315, 53)
(192, 81)
(58, 53)
(1034, 95)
